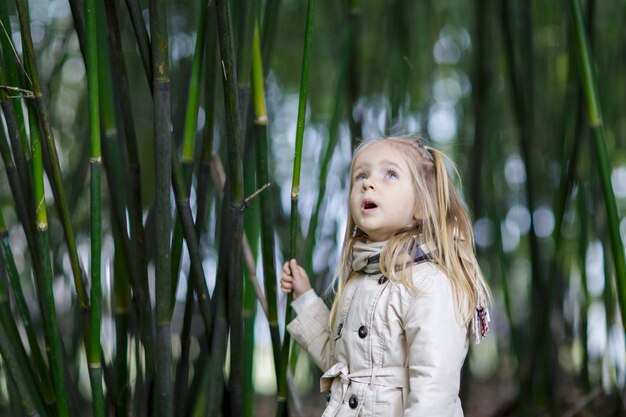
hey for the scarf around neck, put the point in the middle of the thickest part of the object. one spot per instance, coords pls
(366, 255)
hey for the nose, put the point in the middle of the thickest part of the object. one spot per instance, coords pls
(368, 184)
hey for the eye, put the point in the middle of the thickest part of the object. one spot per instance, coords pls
(360, 177)
(392, 175)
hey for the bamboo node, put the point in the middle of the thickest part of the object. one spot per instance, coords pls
(42, 226)
(96, 160)
(261, 120)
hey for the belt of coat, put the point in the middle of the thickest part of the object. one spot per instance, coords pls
(388, 377)
(339, 376)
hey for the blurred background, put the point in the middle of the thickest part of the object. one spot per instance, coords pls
(178, 270)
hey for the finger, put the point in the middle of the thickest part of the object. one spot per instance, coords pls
(286, 268)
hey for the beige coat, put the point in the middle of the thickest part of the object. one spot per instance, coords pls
(392, 352)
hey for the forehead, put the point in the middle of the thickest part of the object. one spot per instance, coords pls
(379, 152)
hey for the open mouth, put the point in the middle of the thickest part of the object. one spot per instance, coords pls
(368, 205)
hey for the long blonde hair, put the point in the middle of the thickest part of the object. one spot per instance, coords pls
(444, 224)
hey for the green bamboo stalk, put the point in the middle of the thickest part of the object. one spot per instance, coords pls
(189, 232)
(56, 178)
(17, 191)
(43, 372)
(266, 212)
(121, 311)
(44, 285)
(141, 33)
(268, 29)
(130, 162)
(244, 55)
(233, 203)
(25, 391)
(295, 191)
(524, 122)
(18, 364)
(93, 353)
(189, 135)
(327, 152)
(182, 370)
(603, 163)
(163, 178)
(12, 75)
(583, 242)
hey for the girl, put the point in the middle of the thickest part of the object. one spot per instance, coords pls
(409, 291)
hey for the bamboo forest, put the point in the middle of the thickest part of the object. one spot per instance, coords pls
(163, 159)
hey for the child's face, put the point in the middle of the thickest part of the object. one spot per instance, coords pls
(383, 198)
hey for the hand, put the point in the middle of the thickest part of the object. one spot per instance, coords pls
(294, 279)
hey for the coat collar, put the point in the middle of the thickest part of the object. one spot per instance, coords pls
(366, 255)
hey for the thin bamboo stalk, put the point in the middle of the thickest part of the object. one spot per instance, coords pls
(122, 313)
(586, 302)
(43, 372)
(268, 31)
(233, 214)
(327, 152)
(57, 181)
(599, 142)
(141, 33)
(12, 75)
(524, 122)
(163, 178)
(44, 285)
(93, 353)
(281, 407)
(13, 351)
(189, 232)
(247, 11)
(182, 370)
(23, 388)
(131, 164)
(266, 212)
(189, 135)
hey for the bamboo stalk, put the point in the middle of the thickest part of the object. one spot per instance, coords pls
(233, 213)
(122, 313)
(130, 161)
(266, 211)
(268, 30)
(327, 152)
(247, 11)
(182, 370)
(163, 178)
(281, 407)
(93, 354)
(599, 142)
(11, 66)
(56, 179)
(524, 122)
(13, 351)
(141, 33)
(189, 135)
(44, 285)
(40, 365)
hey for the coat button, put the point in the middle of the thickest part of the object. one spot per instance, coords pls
(382, 280)
(353, 402)
(362, 332)
(328, 396)
(339, 329)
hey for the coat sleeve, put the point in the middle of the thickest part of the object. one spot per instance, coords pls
(437, 345)
(311, 330)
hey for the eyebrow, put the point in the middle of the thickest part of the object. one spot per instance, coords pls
(383, 162)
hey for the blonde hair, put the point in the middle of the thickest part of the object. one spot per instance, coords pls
(444, 224)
